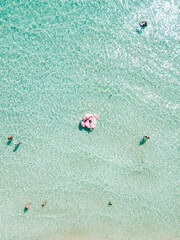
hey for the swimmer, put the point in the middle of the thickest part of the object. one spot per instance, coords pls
(89, 118)
(10, 138)
(44, 203)
(110, 203)
(146, 137)
(90, 121)
(17, 144)
(143, 23)
(27, 206)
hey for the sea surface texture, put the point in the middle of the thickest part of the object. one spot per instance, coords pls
(60, 60)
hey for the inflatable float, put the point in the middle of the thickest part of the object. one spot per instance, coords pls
(89, 121)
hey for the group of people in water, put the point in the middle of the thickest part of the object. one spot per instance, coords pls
(10, 139)
(44, 204)
(28, 205)
(144, 139)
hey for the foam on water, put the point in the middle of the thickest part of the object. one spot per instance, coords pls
(60, 60)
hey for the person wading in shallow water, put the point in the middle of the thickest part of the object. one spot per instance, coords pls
(17, 144)
(90, 121)
(10, 138)
(27, 206)
(44, 203)
(146, 137)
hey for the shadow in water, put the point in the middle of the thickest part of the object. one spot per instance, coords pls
(16, 148)
(9, 142)
(139, 30)
(43, 204)
(143, 140)
(80, 127)
(85, 128)
(25, 210)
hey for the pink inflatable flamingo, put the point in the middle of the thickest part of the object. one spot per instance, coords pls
(89, 121)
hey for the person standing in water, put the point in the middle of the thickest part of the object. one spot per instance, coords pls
(17, 144)
(27, 206)
(90, 123)
(146, 137)
(10, 138)
(44, 203)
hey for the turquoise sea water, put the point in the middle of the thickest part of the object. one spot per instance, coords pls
(60, 60)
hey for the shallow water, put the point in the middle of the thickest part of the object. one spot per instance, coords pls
(60, 60)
